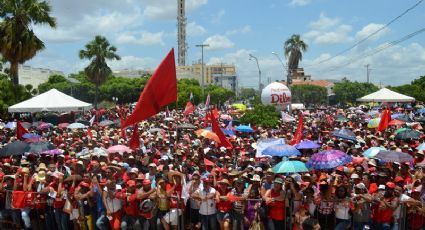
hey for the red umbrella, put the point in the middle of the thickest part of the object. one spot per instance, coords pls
(63, 125)
(396, 122)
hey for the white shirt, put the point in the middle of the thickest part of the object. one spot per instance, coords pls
(207, 207)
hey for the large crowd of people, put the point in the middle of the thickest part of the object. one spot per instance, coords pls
(176, 179)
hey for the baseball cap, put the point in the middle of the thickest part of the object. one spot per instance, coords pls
(361, 186)
(278, 180)
(131, 183)
(381, 187)
(146, 181)
(390, 185)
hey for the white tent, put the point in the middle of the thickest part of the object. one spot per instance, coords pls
(386, 95)
(52, 100)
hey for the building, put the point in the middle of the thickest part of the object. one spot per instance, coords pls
(299, 78)
(131, 73)
(181, 32)
(218, 74)
(35, 76)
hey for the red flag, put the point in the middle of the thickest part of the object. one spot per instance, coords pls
(189, 108)
(20, 130)
(135, 139)
(89, 132)
(215, 114)
(216, 129)
(208, 162)
(160, 90)
(122, 128)
(385, 119)
(299, 133)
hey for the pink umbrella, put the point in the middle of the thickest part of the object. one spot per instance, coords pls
(226, 117)
(119, 149)
(63, 125)
(44, 125)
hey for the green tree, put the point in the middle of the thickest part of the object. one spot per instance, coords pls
(98, 51)
(414, 89)
(261, 115)
(309, 94)
(247, 93)
(294, 48)
(348, 92)
(218, 95)
(10, 95)
(18, 43)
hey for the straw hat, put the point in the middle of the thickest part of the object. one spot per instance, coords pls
(224, 181)
(41, 176)
(42, 167)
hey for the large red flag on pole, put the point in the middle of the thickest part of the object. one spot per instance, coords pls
(135, 139)
(385, 119)
(299, 133)
(216, 129)
(160, 91)
(20, 130)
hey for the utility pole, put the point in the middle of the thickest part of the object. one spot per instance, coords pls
(202, 66)
(367, 72)
(259, 71)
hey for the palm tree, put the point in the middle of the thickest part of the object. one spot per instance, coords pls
(294, 48)
(98, 51)
(18, 43)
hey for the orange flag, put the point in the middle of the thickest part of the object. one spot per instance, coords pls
(160, 91)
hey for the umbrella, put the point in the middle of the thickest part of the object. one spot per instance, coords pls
(401, 130)
(76, 126)
(328, 160)
(186, 126)
(408, 133)
(118, 149)
(207, 134)
(154, 130)
(44, 125)
(307, 145)
(393, 156)
(420, 119)
(404, 118)
(359, 111)
(345, 134)
(341, 118)
(239, 107)
(421, 147)
(39, 147)
(234, 122)
(26, 125)
(373, 113)
(52, 152)
(374, 123)
(169, 119)
(106, 123)
(30, 135)
(420, 110)
(395, 115)
(14, 148)
(86, 123)
(281, 150)
(10, 125)
(396, 122)
(63, 125)
(227, 132)
(226, 117)
(33, 140)
(290, 167)
(244, 129)
(371, 152)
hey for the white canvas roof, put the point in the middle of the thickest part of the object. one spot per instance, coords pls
(386, 95)
(52, 100)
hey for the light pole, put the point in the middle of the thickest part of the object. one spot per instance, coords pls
(259, 71)
(288, 76)
(202, 66)
(283, 65)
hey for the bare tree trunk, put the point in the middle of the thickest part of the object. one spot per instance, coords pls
(96, 95)
(14, 73)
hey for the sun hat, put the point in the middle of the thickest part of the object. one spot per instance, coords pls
(224, 181)
(256, 178)
(381, 187)
(361, 186)
(278, 180)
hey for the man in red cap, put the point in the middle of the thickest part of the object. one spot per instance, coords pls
(384, 207)
(130, 205)
(146, 195)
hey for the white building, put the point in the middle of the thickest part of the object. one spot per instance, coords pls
(132, 73)
(35, 76)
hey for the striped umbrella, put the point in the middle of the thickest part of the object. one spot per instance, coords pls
(374, 123)
(328, 160)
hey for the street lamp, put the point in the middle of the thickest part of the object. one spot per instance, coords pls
(115, 99)
(259, 71)
(202, 65)
(288, 75)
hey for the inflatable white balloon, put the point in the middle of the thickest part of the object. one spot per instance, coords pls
(276, 94)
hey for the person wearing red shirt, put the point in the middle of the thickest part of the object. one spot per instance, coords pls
(275, 200)
(130, 205)
(146, 195)
(383, 208)
(177, 204)
(223, 204)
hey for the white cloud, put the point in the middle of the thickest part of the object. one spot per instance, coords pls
(243, 30)
(194, 29)
(216, 18)
(328, 31)
(145, 38)
(324, 22)
(131, 62)
(299, 2)
(372, 28)
(217, 42)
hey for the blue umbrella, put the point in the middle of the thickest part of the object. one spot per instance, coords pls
(30, 135)
(290, 167)
(76, 126)
(226, 132)
(10, 125)
(345, 134)
(307, 145)
(371, 152)
(421, 147)
(281, 150)
(395, 115)
(244, 129)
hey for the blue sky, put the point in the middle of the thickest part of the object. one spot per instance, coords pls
(144, 31)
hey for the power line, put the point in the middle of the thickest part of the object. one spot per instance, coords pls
(379, 49)
(369, 36)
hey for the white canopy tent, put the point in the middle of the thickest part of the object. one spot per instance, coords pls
(50, 101)
(386, 95)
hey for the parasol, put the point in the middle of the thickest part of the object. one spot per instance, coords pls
(307, 145)
(14, 148)
(408, 134)
(392, 156)
(76, 126)
(39, 147)
(207, 134)
(328, 160)
(118, 149)
(244, 129)
(281, 150)
(374, 123)
(290, 167)
(396, 122)
(345, 134)
(371, 152)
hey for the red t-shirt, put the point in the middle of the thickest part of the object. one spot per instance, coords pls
(130, 205)
(276, 208)
(177, 193)
(382, 215)
(224, 205)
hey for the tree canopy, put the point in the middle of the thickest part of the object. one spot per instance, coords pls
(414, 89)
(261, 115)
(347, 91)
(309, 94)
